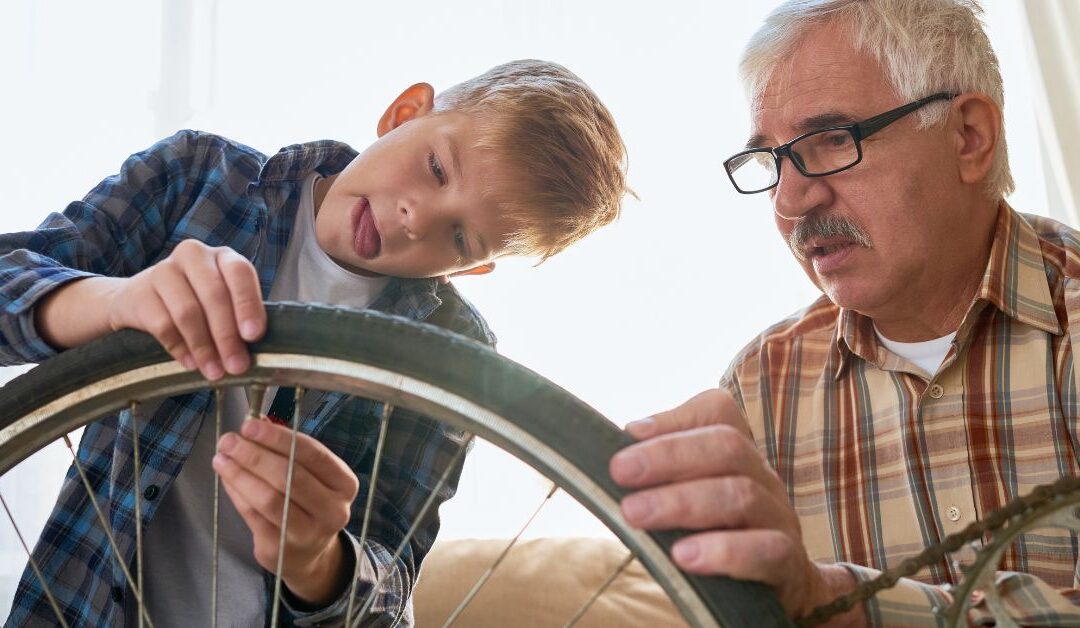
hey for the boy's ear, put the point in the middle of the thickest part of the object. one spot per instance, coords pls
(415, 101)
(482, 269)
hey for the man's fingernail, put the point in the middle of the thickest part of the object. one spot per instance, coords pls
(227, 443)
(638, 508)
(627, 467)
(188, 363)
(249, 329)
(641, 427)
(686, 552)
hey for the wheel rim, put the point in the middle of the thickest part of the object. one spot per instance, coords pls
(158, 376)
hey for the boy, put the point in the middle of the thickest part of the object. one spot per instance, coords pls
(187, 241)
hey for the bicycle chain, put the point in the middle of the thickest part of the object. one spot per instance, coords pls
(1012, 513)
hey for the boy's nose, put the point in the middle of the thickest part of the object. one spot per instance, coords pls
(414, 220)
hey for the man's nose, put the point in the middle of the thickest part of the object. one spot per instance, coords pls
(797, 194)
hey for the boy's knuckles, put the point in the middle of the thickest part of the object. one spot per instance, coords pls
(270, 503)
(204, 352)
(189, 247)
(165, 333)
(231, 263)
(267, 558)
(352, 488)
(189, 315)
(341, 519)
(247, 454)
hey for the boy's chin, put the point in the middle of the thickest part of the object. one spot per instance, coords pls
(356, 270)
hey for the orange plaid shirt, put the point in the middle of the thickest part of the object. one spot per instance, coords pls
(881, 459)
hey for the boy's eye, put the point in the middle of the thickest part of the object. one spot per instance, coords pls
(459, 242)
(436, 168)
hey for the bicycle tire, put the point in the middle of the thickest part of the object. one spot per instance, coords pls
(419, 366)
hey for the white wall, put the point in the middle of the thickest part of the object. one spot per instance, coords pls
(637, 318)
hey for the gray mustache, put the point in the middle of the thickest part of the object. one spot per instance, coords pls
(824, 226)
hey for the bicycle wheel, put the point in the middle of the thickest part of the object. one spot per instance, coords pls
(415, 366)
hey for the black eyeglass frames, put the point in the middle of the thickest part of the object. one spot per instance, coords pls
(817, 153)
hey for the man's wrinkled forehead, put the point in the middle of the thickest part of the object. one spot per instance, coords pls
(824, 81)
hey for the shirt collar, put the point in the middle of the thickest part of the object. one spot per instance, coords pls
(327, 157)
(415, 299)
(1015, 282)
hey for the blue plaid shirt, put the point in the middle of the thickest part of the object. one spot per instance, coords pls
(197, 185)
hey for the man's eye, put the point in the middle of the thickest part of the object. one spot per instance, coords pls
(436, 168)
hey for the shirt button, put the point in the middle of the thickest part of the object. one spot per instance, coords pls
(936, 391)
(150, 492)
(953, 513)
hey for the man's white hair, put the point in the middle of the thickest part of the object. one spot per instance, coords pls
(924, 46)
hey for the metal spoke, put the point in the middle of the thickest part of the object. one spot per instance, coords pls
(219, 402)
(384, 422)
(588, 604)
(490, 570)
(285, 508)
(34, 566)
(137, 489)
(108, 532)
(415, 524)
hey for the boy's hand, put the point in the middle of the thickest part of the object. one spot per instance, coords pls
(253, 466)
(201, 303)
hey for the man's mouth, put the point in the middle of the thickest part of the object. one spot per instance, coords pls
(826, 249)
(828, 256)
(366, 240)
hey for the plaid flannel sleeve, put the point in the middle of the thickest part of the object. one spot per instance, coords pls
(114, 231)
(1027, 599)
(392, 607)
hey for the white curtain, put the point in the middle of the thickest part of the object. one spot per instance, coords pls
(1053, 27)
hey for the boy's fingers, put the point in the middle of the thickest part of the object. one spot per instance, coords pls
(316, 458)
(213, 296)
(244, 292)
(186, 312)
(308, 492)
(260, 497)
(160, 325)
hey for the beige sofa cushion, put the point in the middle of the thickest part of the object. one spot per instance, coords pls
(542, 583)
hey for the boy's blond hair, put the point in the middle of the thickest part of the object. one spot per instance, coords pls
(565, 158)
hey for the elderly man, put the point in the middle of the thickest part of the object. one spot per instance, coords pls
(932, 382)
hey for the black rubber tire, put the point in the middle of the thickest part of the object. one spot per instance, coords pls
(426, 353)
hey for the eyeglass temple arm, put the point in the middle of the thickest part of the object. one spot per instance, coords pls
(868, 127)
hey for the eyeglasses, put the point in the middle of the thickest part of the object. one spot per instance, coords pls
(815, 154)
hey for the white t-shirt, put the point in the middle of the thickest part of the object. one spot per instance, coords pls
(177, 546)
(927, 355)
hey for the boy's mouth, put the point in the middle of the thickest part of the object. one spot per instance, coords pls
(366, 240)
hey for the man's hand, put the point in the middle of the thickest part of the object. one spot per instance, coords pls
(201, 303)
(698, 469)
(253, 466)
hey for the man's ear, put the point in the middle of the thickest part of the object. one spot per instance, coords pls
(414, 102)
(482, 269)
(977, 133)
